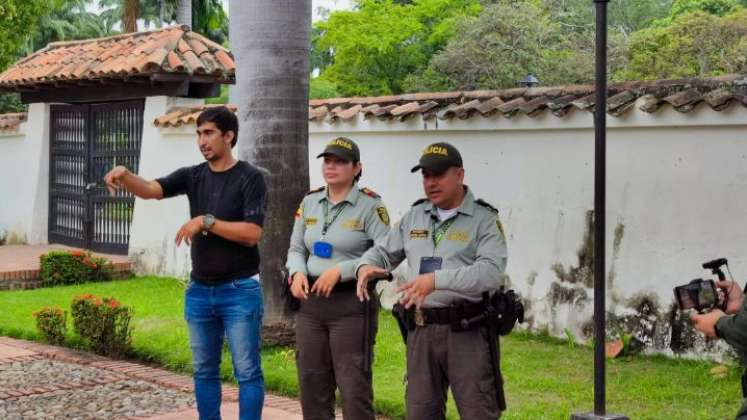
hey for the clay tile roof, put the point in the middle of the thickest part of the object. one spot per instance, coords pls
(11, 122)
(184, 115)
(682, 95)
(174, 50)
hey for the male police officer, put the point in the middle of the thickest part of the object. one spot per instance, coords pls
(456, 250)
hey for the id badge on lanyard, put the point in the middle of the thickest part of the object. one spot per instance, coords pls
(322, 248)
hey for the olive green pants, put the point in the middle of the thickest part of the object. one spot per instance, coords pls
(330, 353)
(438, 358)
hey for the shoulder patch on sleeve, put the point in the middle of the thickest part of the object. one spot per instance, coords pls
(299, 212)
(487, 205)
(369, 192)
(383, 215)
(316, 190)
(422, 200)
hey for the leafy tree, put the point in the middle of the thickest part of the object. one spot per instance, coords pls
(208, 16)
(322, 89)
(507, 42)
(11, 102)
(696, 44)
(70, 21)
(374, 47)
(17, 14)
(624, 16)
(713, 7)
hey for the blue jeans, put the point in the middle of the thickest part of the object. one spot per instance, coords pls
(232, 310)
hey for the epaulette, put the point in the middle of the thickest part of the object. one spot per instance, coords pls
(369, 192)
(487, 205)
(422, 200)
(315, 190)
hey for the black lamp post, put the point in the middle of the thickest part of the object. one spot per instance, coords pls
(600, 208)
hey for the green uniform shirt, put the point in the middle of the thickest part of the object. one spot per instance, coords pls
(473, 250)
(362, 220)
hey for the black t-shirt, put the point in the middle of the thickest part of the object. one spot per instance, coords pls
(236, 195)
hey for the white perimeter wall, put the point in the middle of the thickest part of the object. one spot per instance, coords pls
(24, 179)
(677, 194)
(676, 197)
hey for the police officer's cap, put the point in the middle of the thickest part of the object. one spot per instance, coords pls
(438, 157)
(343, 148)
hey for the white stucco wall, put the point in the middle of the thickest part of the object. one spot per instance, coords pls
(155, 223)
(676, 194)
(24, 179)
(677, 189)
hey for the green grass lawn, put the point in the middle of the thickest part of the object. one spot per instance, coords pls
(545, 378)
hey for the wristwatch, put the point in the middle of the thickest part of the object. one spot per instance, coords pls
(208, 221)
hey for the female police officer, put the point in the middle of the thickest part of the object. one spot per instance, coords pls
(335, 332)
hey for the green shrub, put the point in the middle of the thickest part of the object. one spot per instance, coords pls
(63, 267)
(103, 323)
(51, 324)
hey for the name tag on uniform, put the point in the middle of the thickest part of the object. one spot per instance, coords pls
(418, 234)
(322, 249)
(430, 264)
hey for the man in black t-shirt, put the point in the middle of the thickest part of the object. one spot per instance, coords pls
(227, 201)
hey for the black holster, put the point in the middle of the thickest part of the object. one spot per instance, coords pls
(291, 303)
(404, 321)
(494, 345)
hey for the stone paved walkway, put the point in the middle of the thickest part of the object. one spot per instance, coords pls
(77, 385)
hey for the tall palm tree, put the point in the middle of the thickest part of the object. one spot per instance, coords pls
(130, 13)
(271, 40)
(184, 12)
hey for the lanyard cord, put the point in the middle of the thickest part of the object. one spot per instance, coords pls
(327, 221)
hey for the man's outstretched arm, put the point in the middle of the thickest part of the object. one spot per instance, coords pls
(121, 177)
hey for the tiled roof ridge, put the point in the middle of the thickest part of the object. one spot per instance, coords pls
(117, 37)
(639, 86)
(174, 49)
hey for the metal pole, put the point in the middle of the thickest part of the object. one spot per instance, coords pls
(600, 182)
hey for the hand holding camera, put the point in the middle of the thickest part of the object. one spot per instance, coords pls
(734, 296)
(712, 300)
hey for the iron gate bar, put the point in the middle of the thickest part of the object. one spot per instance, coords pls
(86, 142)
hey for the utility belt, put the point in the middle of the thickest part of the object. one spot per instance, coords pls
(465, 316)
(450, 315)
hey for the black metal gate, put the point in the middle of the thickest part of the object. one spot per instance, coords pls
(86, 141)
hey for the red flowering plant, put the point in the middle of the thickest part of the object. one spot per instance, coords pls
(73, 267)
(51, 322)
(104, 323)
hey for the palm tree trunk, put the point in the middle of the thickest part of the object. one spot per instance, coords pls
(271, 42)
(184, 13)
(130, 13)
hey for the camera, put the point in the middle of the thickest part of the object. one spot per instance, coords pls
(703, 295)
